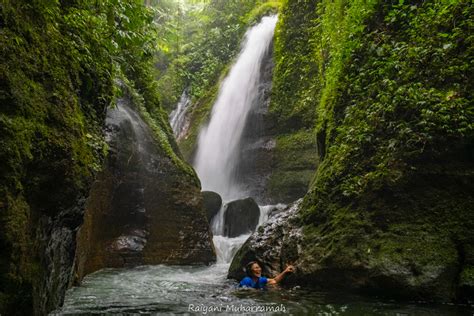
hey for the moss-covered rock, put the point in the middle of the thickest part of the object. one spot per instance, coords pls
(389, 197)
(295, 159)
(292, 102)
(143, 208)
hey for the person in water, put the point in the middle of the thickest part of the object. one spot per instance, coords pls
(254, 278)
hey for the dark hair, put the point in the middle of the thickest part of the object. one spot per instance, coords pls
(248, 267)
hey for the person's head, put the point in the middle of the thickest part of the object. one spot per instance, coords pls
(253, 269)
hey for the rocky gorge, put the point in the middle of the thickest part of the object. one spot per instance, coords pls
(388, 207)
(358, 115)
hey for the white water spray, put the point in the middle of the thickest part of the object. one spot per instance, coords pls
(218, 145)
(227, 247)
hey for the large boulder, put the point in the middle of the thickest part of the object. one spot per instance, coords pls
(273, 245)
(212, 204)
(240, 217)
(144, 207)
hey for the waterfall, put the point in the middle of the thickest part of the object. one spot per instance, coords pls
(219, 143)
(218, 151)
(178, 115)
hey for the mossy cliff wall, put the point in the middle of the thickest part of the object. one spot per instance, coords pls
(292, 102)
(58, 63)
(55, 85)
(390, 206)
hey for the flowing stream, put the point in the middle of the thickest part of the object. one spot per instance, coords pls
(170, 290)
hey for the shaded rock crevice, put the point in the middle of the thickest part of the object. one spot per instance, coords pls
(56, 242)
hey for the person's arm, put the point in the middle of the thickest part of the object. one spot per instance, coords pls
(279, 277)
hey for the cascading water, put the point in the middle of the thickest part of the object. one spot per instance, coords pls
(218, 146)
(178, 115)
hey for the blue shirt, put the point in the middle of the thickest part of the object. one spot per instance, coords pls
(249, 282)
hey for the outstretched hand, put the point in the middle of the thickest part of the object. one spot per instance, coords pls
(290, 268)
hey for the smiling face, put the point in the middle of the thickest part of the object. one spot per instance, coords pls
(255, 270)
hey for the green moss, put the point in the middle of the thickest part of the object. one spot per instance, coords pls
(293, 96)
(296, 151)
(295, 159)
(264, 9)
(292, 100)
(48, 147)
(386, 113)
(199, 117)
(58, 64)
(341, 25)
(17, 283)
(467, 276)
(285, 186)
(408, 244)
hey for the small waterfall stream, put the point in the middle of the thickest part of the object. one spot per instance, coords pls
(178, 115)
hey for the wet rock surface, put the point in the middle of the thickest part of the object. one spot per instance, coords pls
(212, 203)
(274, 244)
(142, 209)
(240, 217)
(56, 241)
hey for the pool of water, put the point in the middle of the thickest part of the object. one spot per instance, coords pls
(170, 290)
